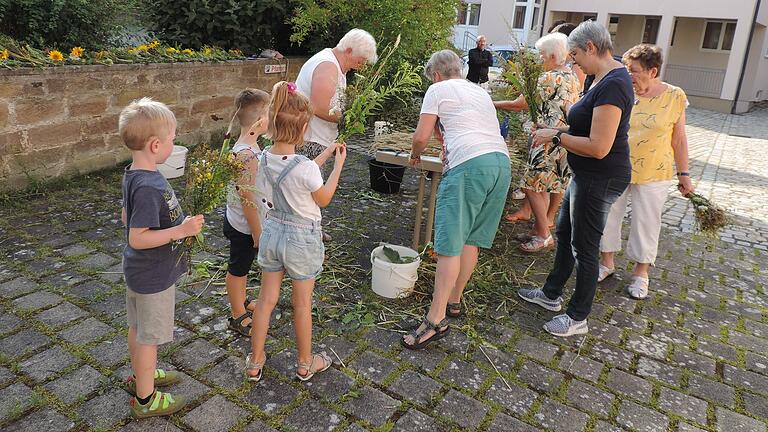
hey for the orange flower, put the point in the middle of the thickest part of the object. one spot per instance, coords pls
(56, 55)
(77, 51)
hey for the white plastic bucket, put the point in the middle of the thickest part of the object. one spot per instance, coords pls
(393, 280)
(174, 166)
(381, 128)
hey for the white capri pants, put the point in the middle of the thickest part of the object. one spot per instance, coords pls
(647, 202)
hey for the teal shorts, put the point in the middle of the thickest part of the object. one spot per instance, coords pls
(470, 201)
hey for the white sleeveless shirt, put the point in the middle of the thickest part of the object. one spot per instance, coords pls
(320, 131)
(235, 213)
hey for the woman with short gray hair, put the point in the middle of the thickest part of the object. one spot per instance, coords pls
(472, 193)
(598, 155)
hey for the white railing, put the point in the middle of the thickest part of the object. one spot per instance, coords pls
(470, 40)
(696, 80)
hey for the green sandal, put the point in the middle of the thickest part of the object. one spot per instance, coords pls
(161, 404)
(162, 379)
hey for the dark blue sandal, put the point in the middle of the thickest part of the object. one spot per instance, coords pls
(441, 330)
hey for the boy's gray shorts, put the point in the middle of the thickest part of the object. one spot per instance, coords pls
(151, 315)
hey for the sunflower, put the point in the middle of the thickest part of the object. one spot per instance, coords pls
(56, 55)
(142, 47)
(77, 51)
(154, 44)
(171, 50)
(4, 54)
(187, 51)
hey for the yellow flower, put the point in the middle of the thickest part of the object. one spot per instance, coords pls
(4, 54)
(188, 51)
(56, 55)
(132, 50)
(142, 47)
(154, 44)
(101, 54)
(77, 51)
(171, 50)
(207, 51)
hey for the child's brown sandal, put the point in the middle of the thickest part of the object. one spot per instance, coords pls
(311, 371)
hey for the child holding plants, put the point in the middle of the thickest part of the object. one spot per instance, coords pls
(291, 237)
(242, 225)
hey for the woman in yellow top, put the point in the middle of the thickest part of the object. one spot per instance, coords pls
(657, 145)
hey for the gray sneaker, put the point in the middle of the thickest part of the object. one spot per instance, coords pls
(536, 296)
(563, 325)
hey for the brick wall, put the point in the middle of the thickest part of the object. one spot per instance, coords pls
(63, 121)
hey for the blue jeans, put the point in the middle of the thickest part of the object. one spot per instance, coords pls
(580, 225)
(286, 245)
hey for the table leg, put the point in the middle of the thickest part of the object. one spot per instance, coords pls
(431, 210)
(419, 211)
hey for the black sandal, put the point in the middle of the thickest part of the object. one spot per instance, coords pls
(236, 324)
(248, 303)
(428, 325)
(449, 310)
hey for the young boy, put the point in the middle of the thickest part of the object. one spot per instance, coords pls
(241, 224)
(152, 260)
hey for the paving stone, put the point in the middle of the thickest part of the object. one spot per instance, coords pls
(23, 343)
(588, 398)
(6, 376)
(663, 372)
(271, 395)
(215, 415)
(670, 335)
(74, 250)
(503, 361)
(729, 421)
(556, 416)
(647, 346)
(76, 385)
(283, 362)
(331, 384)
(14, 400)
(640, 418)
(517, 400)
(699, 327)
(36, 300)
(685, 427)
(111, 352)
(605, 332)
(536, 349)
(311, 416)
(188, 386)
(756, 405)
(716, 316)
(61, 315)
(602, 426)
(756, 328)
(361, 406)
(373, 366)
(465, 411)
(354, 427)
(629, 385)
(416, 421)
(86, 331)
(426, 359)
(228, 373)
(45, 420)
(162, 424)
(697, 362)
(98, 261)
(17, 287)
(751, 343)
(683, 405)
(717, 350)
(258, 426)
(382, 339)
(342, 347)
(194, 313)
(455, 341)
(41, 366)
(505, 423)
(624, 320)
(714, 391)
(616, 357)
(106, 410)
(89, 291)
(8, 322)
(463, 374)
(415, 387)
(197, 354)
(113, 274)
(749, 380)
(113, 305)
(539, 377)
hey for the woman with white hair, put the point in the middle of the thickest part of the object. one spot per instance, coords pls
(319, 79)
(472, 193)
(547, 174)
(598, 155)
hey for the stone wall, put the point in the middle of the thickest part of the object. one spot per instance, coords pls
(62, 121)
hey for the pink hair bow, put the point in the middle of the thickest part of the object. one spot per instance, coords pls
(291, 87)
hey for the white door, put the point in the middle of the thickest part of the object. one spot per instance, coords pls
(467, 23)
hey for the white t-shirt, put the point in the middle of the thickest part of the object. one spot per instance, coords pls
(320, 131)
(235, 213)
(467, 120)
(297, 187)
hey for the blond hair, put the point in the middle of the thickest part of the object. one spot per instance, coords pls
(250, 104)
(142, 119)
(289, 113)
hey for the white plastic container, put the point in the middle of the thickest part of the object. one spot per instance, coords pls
(381, 128)
(393, 280)
(175, 164)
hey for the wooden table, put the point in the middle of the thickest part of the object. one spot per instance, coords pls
(428, 163)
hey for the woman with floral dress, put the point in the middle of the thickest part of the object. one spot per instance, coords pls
(547, 173)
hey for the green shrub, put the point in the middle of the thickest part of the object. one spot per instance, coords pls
(64, 23)
(248, 25)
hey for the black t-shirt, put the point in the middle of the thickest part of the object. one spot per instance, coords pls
(149, 202)
(614, 89)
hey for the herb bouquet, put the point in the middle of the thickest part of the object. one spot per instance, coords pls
(366, 95)
(710, 217)
(522, 72)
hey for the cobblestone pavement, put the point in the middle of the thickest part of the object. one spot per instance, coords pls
(692, 357)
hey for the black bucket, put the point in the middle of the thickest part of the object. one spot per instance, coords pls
(385, 177)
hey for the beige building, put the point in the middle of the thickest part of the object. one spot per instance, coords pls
(717, 51)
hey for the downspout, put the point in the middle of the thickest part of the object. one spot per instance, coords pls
(746, 58)
(544, 17)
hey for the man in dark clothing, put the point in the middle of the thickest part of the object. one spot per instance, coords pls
(479, 61)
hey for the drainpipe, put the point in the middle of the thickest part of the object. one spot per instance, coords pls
(746, 58)
(544, 17)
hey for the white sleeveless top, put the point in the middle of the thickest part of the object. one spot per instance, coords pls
(235, 214)
(320, 131)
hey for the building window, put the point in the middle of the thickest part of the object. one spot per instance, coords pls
(651, 30)
(468, 14)
(519, 21)
(588, 17)
(718, 35)
(613, 27)
(521, 7)
(674, 32)
(535, 20)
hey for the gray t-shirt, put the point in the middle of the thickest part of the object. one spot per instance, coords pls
(149, 202)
